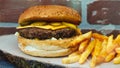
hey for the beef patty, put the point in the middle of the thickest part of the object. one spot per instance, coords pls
(42, 34)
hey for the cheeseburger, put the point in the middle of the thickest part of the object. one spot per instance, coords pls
(47, 30)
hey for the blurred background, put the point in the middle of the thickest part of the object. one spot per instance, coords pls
(11, 9)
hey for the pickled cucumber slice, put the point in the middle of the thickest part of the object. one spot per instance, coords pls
(38, 23)
(69, 25)
(24, 23)
(55, 24)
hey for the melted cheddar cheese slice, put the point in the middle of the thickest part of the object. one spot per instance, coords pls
(52, 26)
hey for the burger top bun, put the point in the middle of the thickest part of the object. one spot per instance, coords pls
(52, 13)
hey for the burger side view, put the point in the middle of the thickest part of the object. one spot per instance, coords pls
(47, 30)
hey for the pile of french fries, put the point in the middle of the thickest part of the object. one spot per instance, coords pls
(99, 47)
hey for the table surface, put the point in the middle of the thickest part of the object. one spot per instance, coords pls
(6, 28)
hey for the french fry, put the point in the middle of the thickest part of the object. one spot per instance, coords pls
(98, 47)
(81, 38)
(110, 44)
(102, 48)
(118, 54)
(83, 45)
(99, 60)
(87, 52)
(116, 60)
(110, 56)
(79, 31)
(74, 54)
(96, 52)
(71, 59)
(115, 44)
(99, 36)
(117, 40)
(103, 53)
(93, 62)
(117, 50)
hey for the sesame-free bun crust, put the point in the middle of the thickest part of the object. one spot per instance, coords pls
(52, 13)
(47, 48)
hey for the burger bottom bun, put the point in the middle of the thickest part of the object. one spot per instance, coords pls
(42, 48)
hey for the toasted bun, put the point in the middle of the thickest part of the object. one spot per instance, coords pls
(50, 13)
(46, 48)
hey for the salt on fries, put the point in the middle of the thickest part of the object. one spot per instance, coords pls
(101, 48)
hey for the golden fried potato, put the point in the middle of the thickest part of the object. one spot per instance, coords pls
(117, 50)
(74, 54)
(81, 38)
(87, 52)
(71, 59)
(110, 56)
(110, 44)
(117, 39)
(93, 62)
(116, 60)
(99, 36)
(98, 47)
(101, 57)
(83, 45)
(96, 52)
(115, 44)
